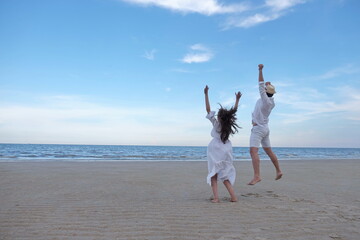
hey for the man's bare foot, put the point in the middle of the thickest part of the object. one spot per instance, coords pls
(215, 200)
(233, 199)
(278, 176)
(254, 181)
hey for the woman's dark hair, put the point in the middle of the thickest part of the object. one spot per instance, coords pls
(227, 119)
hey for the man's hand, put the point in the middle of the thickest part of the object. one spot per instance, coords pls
(238, 95)
(206, 89)
(267, 83)
(261, 66)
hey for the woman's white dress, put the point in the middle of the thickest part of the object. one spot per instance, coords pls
(219, 155)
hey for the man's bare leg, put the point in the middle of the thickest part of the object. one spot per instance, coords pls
(256, 165)
(275, 161)
(214, 187)
(230, 188)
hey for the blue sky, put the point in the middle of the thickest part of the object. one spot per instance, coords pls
(133, 71)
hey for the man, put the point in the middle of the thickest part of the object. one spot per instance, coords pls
(260, 131)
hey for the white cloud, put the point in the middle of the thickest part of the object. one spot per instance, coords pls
(199, 54)
(199, 47)
(244, 14)
(205, 7)
(197, 57)
(150, 55)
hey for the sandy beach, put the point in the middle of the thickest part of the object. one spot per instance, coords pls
(170, 200)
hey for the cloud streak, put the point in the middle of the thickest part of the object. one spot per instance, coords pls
(340, 71)
(280, 5)
(150, 55)
(269, 11)
(250, 21)
(314, 105)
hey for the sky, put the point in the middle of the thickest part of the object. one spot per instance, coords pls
(132, 72)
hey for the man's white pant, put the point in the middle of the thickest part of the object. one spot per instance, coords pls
(260, 134)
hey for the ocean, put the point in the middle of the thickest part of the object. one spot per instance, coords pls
(84, 153)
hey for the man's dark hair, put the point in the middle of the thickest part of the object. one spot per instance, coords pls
(269, 95)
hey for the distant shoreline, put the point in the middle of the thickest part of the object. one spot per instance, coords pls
(162, 161)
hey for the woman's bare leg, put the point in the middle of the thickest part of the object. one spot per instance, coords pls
(230, 188)
(214, 187)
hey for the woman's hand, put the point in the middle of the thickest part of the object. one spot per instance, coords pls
(207, 103)
(238, 95)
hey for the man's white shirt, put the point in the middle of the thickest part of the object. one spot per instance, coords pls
(263, 107)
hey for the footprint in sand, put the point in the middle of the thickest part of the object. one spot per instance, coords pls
(251, 195)
(273, 195)
(335, 236)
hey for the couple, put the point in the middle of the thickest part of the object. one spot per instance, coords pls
(219, 152)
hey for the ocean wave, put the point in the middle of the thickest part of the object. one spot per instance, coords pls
(43, 152)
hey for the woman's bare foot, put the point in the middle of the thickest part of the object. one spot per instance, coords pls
(234, 199)
(215, 200)
(278, 175)
(254, 181)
